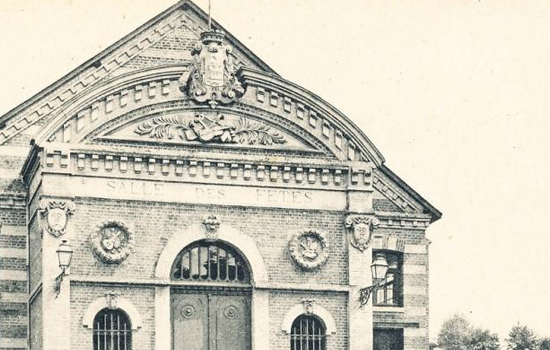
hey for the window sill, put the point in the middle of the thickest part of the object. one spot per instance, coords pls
(394, 309)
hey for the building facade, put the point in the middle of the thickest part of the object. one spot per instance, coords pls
(205, 203)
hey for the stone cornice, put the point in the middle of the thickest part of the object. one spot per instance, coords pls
(311, 111)
(417, 221)
(221, 169)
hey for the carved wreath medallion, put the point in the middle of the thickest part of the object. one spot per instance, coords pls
(309, 249)
(57, 215)
(360, 230)
(112, 242)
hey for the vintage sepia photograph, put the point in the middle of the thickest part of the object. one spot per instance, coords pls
(274, 174)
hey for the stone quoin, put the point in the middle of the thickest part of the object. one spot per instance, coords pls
(208, 203)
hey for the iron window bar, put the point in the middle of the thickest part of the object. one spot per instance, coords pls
(112, 331)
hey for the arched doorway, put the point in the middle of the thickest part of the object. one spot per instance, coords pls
(210, 298)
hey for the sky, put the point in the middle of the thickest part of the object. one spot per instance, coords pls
(455, 94)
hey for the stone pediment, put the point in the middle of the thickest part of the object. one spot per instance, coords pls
(207, 128)
(165, 40)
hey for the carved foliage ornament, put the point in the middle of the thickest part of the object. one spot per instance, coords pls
(212, 77)
(112, 242)
(309, 249)
(57, 215)
(210, 129)
(360, 230)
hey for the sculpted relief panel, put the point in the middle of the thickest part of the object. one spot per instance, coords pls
(112, 242)
(212, 78)
(207, 128)
(309, 249)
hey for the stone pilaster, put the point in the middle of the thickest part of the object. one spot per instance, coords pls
(56, 310)
(260, 319)
(360, 203)
(163, 335)
(360, 318)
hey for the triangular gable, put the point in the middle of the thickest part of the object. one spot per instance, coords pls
(137, 50)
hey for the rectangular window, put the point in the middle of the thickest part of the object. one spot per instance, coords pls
(390, 290)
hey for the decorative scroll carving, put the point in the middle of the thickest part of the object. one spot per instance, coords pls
(207, 129)
(57, 215)
(212, 77)
(112, 242)
(211, 226)
(309, 306)
(309, 249)
(111, 298)
(360, 230)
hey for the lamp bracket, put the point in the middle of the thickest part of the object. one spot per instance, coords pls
(58, 282)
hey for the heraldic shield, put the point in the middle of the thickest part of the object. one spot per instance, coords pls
(212, 77)
(360, 230)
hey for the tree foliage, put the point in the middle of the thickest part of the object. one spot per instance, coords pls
(544, 343)
(481, 339)
(454, 333)
(458, 334)
(522, 338)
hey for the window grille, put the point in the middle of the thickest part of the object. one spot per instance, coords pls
(210, 261)
(307, 333)
(390, 291)
(112, 331)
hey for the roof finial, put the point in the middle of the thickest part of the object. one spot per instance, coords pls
(209, 15)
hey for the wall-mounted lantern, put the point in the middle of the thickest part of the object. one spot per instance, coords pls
(379, 268)
(64, 256)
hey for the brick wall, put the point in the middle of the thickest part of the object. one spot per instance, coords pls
(13, 280)
(335, 303)
(270, 228)
(35, 314)
(83, 294)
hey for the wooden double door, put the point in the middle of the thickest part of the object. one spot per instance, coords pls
(210, 320)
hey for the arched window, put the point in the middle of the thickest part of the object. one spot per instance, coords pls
(307, 333)
(210, 261)
(112, 330)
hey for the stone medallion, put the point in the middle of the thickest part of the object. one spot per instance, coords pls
(112, 242)
(309, 249)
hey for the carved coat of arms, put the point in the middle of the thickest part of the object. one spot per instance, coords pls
(57, 215)
(309, 249)
(360, 230)
(212, 77)
(112, 241)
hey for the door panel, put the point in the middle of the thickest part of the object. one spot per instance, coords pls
(229, 323)
(190, 322)
(210, 321)
(388, 339)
